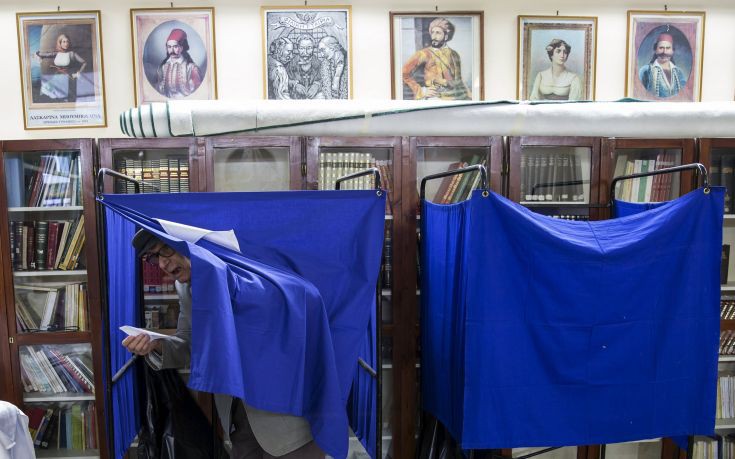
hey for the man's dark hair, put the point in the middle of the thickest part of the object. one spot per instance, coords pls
(144, 241)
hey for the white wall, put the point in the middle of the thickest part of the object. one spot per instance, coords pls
(239, 56)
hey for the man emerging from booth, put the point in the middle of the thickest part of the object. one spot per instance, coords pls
(254, 433)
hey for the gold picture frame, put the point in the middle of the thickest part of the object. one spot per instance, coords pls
(459, 46)
(664, 55)
(61, 69)
(191, 33)
(557, 57)
(307, 52)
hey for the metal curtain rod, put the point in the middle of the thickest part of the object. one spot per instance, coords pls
(137, 183)
(372, 170)
(474, 167)
(552, 184)
(668, 170)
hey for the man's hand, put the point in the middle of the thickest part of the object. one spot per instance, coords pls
(141, 344)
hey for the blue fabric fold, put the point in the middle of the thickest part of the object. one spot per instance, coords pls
(123, 309)
(546, 332)
(282, 324)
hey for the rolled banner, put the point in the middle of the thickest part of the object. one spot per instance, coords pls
(624, 118)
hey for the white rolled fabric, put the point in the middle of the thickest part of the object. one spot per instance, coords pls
(438, 118)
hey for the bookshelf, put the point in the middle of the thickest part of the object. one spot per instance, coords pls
(253, 163)
(555, 176)
(423, 156)
(329, 158)
(51, 300)
(626, 156)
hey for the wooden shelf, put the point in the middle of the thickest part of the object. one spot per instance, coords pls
(65, 397)
(67, 454)
(46, 209)
(160, 296)
(50, 273)
(727, 358)
(725, 424)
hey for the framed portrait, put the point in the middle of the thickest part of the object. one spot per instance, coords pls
(664, 55)
(557, 57)
(173, 54)
(61, 74)
(437, 55)
(307, 52)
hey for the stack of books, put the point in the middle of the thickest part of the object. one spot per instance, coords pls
(47, 180)
(556, 177)
(46, 245)
(63, 427)
(165, 175)
(655, 188)
(48, 369)
(458, 187)
(48, 307)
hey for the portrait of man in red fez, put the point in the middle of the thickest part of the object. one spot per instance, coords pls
(178, 76)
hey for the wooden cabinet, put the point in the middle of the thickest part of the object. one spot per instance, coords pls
(51, 293)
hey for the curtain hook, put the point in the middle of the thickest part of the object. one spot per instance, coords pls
(485, 193)
(172, 4)
(58, 8)
(436, 8)
(666, 7)
(706, 190)
(379, 193)
(557, 12)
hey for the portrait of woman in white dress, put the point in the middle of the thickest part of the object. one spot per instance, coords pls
(556, 58)
(557, 82)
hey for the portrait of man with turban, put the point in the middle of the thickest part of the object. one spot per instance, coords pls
(435, 72)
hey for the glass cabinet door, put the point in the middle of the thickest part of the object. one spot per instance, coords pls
(328, 159)
(630, 156)
(555, 176)
(51, 301)
(428, 156)
(162, 165)
(245, 163)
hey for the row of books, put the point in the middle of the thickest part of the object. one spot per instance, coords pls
(63, 427)
(48, 369)
(655, 188)
(722, 173)
(154, 280)
(164, 315)
(46, 245)
(46, 180)
(51, 308)
(727, 342)
(724, 263)
(333, 166)
(458, 187)
(727, 308)
(719, 447)
(552, 177)
(165, 175)
(725, 397)
(387, 262)
(576, 218)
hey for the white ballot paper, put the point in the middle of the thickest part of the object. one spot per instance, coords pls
(135, 331)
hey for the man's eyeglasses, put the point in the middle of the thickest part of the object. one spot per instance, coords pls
(152, 257)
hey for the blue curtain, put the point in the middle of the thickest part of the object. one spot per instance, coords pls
(300, 297)
(545, 332)
(124, 309)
